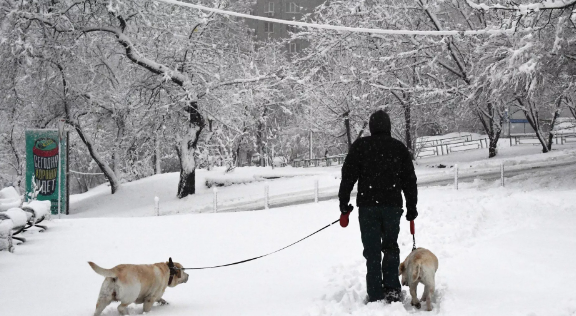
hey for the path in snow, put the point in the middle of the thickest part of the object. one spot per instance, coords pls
(501, 251)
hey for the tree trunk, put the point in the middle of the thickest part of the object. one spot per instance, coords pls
(348, 132)
(535, 123)
(209, 158)
(18, 164)
(408, 128)
(116, 159)
(236, 152)
(362, 130)
(236, 156)
(493, 148)
(406, 105)
(260, 137)
(108, 172)
(492, 127)
(157, 155)
(553, 123)
(187, 183)
(533, 118)
(572, 110)
(259, 142)
(186, 149)
(310, 148)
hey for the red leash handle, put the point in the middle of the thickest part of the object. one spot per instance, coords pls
(344, 216)
(344, 220)
(412, 231)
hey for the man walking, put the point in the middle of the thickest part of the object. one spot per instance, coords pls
(383, 168)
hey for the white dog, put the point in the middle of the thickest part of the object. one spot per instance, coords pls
(137, 283)
(420, 266)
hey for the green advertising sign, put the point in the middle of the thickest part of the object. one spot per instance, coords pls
(42, 174)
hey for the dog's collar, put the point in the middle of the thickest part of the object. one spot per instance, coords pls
(173, 270)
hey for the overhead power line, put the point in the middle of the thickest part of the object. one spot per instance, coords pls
(339, 28)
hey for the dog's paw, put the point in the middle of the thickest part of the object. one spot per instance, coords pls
(417, 305)
(162, 302)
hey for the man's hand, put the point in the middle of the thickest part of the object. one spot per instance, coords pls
(346, 208)
(344, 213)
(411, 213)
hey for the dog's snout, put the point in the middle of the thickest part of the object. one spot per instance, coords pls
(186, 279)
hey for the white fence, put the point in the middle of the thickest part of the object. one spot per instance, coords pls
(315, 193)
(531, 139)
(446, 146)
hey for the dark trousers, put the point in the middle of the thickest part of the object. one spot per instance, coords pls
(380, 226)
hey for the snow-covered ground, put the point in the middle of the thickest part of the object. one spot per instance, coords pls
(137, 198)
(502, 251)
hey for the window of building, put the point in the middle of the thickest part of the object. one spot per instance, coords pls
(268, 27)
(292, 8)
(293, 48)
(270, 7)
(290, 28)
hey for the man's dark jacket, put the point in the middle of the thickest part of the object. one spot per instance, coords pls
(383, 168)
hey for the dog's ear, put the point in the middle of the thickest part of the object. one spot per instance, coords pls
(401, 268)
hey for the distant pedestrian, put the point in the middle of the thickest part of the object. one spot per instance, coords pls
(383, 168)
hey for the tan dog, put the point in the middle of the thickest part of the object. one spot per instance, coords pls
(137, 283)
(420, 266)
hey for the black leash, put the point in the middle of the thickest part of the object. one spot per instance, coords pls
(247, 260)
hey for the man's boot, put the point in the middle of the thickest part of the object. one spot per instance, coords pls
(393, 295)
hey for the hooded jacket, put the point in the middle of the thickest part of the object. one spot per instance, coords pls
(382, 166)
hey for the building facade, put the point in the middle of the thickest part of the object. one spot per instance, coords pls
(283, 10)
(517, 124)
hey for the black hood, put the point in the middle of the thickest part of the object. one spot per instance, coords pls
(380, 123)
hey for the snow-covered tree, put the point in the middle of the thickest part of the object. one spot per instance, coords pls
(531, 66)
(190, 54)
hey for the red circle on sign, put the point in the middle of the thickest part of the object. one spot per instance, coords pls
(45, 153)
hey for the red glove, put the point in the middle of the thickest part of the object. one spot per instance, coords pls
(345, 213)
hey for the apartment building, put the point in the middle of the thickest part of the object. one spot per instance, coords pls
(284, 10)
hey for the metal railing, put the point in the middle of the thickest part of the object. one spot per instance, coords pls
(319, 162)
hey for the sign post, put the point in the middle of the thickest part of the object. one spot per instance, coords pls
(60, 137)
(46, 160)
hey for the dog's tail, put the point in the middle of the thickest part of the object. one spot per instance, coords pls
(108, 273)
(416, 271)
